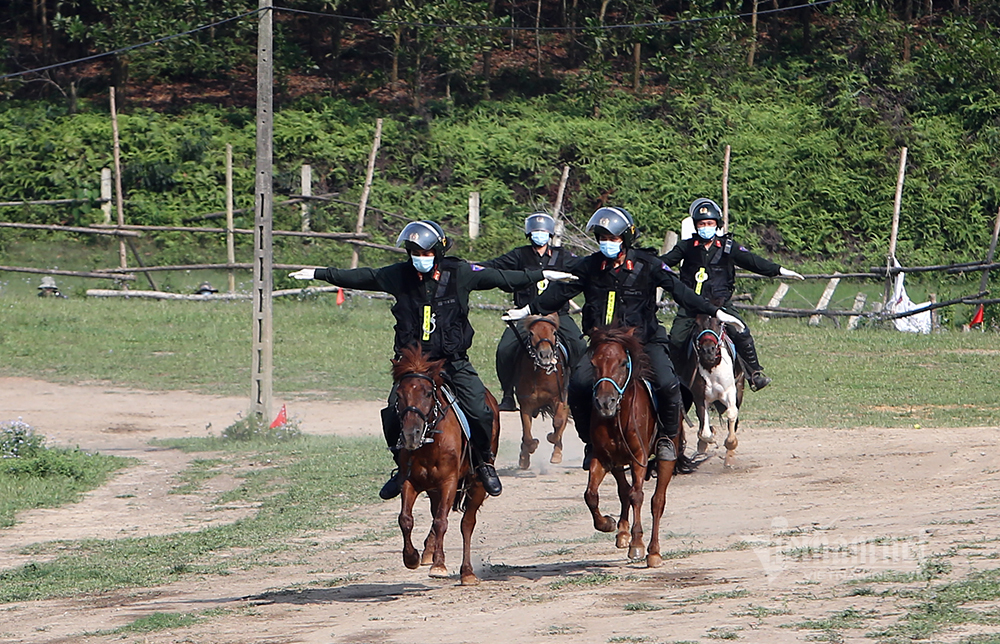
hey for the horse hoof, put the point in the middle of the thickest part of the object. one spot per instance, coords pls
(608, 525)
(470, 580)
(623, 541)
(524, 461)
(427, 559)
(411, 561)
(552, 438)
(438, 572)
(702, 447)
(635, 552)
(730, 462)
(533, 445)
(556, 456)
(654, 561)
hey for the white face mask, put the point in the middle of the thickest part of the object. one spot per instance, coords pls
(422, 264)
(707, 232)
(540, 237)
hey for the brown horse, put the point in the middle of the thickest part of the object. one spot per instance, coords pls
(716, 380)
(435, 458)
(623, 433)
(541, 384)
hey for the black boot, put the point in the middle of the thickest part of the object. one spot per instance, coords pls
(669, 416)
(588, 456)
(507, 403)
(394, 485)
(486, 473)
(748, 353)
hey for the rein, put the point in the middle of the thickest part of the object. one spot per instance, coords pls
(430, 420)
(533, 349)
(618, 415)
(628, 379)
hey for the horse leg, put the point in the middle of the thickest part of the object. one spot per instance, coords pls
(430, 543)
(622, 539)
(659, 502)
(602, 522)
(731, 416)
(411, 558)
(476, 497)
(441, 502)
(705, 437)
(559, 419)
(528, 444)
(635, 498)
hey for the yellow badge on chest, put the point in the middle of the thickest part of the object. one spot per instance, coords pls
(428, 323)
(609, 315)
(542, 285)
(700, 278)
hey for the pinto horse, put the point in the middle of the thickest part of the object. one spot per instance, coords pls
(623, 433)
(435, 458)
(541, 384)
(716, 380)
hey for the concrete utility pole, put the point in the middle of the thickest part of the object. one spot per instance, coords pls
(263, 259)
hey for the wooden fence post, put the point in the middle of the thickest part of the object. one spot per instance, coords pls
(306, 176)
(106, 201)
(363, 202)
(473, 215)
(123, 258)
(230, 246)
(859, 305)
(897, 206)
(824, 301)
(985, 279)
(775, 300)
(557, 208)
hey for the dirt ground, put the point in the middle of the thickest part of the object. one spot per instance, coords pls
(782, 538)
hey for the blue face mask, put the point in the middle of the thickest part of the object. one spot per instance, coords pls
(422, 264)
(540, 237)
(611, 249)
(707, 232)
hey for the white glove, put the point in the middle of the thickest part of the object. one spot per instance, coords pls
(559, 276)
(784, 272)
(517, 314)
(725, 318)
(304, 274)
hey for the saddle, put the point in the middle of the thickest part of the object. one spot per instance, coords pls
(449, 395)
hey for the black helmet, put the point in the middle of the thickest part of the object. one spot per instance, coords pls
(615, 221)
(704, 209)
(538, 222)
(425, 235)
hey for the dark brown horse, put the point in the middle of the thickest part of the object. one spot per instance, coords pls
(541, 384)
(623, 434)
(435, 459)
(716, 380)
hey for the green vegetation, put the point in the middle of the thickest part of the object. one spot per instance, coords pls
(310, 484)
(34, 476)
(589, 579)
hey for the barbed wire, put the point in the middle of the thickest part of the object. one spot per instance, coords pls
(403, 23)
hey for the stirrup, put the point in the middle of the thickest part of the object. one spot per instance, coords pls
(758, 381)
(392, 487)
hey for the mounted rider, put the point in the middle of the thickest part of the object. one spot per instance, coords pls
(432, 311)
(619, 284)
(539, 228)
(708, 265)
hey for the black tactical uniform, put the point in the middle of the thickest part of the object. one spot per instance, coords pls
(709, 267)
(432, 310)
(510, 347)
(624, 295)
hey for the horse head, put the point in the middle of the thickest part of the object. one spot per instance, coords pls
(708, 341)
(615, 355)
(417, 403)
(543, 340)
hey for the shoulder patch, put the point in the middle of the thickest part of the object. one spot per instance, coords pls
(667, 268)
(475, 267)
(744, 249)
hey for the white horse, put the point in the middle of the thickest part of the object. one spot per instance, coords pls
(716, 380)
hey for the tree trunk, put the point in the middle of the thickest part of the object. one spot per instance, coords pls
(538, 39)
(394, 74)
(637, 58)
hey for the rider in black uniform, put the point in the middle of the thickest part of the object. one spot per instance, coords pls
(709, 267)
(432, 310)
(539, 228)
(619, 285)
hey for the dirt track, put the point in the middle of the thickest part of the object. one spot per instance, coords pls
(774, 542)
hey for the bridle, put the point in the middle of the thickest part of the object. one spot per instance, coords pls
(533, 349)
(429, 420)
(620, 389)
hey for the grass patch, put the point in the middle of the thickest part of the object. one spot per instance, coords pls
(343, 352)
(157, 622)
(308, 482)
(33, 476)
(590, 579)
(760, 612)
(848, 618)
(630, 638)
(709, 597)
(195, 474)
(642, 607)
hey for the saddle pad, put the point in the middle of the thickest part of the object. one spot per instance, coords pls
(462, 420)
(652, 396)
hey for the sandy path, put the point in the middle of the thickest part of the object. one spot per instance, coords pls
(774, 542)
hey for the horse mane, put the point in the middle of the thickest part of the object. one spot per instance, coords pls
(625, 336)
(412, 360)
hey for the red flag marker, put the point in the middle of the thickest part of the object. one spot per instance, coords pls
(280, 419)
(978, 317)
(340, 296)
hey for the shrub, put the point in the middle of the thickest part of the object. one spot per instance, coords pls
(18, 439)
(254, 427)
